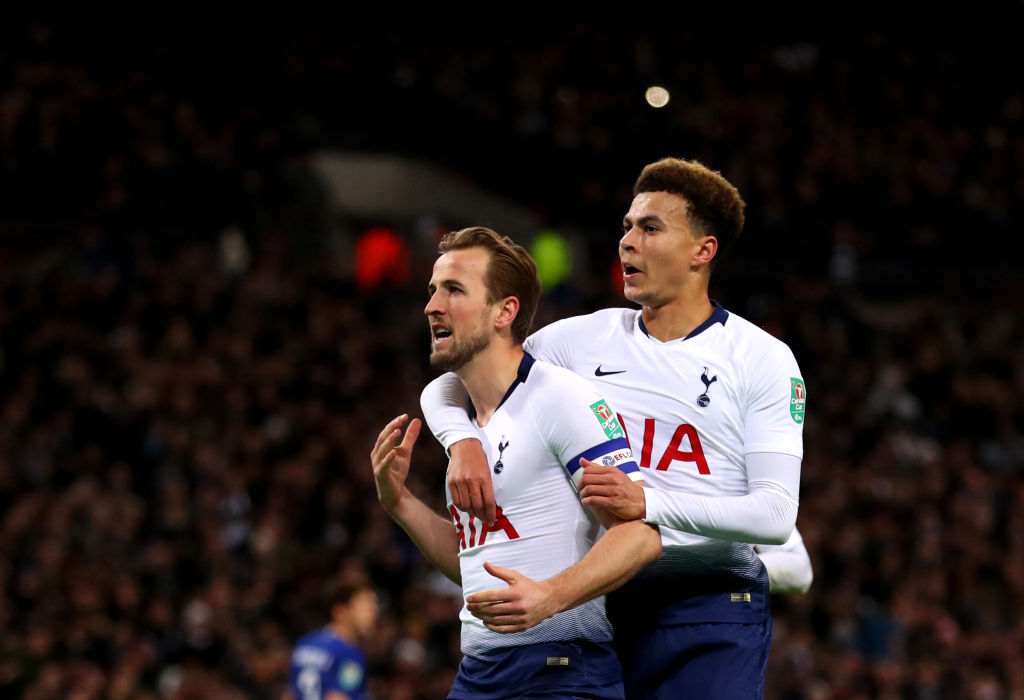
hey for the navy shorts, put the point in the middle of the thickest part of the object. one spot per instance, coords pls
(579, 669)
(702, 660)
(707, 645)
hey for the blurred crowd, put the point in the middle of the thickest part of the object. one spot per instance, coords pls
(191, 377)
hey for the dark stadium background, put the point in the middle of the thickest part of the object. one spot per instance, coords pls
(199, 341)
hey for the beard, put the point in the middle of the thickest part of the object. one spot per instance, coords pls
(461, 351)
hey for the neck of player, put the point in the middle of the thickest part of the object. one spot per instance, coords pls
(343, 630)
(679, 316)
(489, 375)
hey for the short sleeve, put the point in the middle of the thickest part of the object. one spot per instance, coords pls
(577, 423)
(552, 344)
(776, 403)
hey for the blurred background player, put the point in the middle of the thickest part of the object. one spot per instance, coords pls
(328, 664)
(715, 407)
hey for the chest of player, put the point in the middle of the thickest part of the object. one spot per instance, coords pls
(523, 466)
(532, 490)
(681, 406)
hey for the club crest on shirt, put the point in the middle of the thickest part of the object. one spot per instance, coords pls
(498, 466)
(703, 400)
(798, 399)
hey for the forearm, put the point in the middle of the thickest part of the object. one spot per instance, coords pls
(764, 517)
(766, 514)
(434, 535)
(621, 552)
(788, 572)
(789, 565)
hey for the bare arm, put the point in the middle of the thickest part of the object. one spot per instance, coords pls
(617, 556)
(434, 535)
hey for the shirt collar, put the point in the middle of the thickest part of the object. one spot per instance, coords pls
(718, 315)
(525, 365)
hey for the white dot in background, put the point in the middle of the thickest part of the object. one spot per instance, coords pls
(656, 96)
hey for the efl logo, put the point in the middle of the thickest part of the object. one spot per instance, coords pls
(798, 399)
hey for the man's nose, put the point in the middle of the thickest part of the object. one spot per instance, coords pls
(628, 240)
(433, 305)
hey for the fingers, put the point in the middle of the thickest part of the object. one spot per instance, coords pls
(501, 615)
(474, 497)
(412, 433)
(489, 509)
(602, 483)
(482, 501)
(506, 629)
(605, 490)
(475, 500)
(509, 576)
(386, 438)
(382, 456)
(460, 496)
(598, 474)
(469, 482)
(385, 448)
(497, 612)
(595, 468)
(495, 595)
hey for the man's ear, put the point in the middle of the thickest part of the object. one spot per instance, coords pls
(508, 309)
(707, 251)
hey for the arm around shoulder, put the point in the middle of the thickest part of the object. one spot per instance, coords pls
(445, 405)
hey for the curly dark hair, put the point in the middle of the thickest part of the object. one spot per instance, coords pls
(714, 205)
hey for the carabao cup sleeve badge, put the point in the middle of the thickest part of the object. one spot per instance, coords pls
(609, 422)
(798, 399)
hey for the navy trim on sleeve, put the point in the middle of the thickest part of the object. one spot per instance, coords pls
(599, 450)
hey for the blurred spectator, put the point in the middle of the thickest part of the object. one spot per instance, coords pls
(190, 373)
(328, 663)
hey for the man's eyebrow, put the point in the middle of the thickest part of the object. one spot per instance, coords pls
(647, 218)
(446, 282)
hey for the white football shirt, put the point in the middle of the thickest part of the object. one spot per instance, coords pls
(548, 420)
(693, 408)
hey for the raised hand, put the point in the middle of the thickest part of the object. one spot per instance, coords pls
(391, 461)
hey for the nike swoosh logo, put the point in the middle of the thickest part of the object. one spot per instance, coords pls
(601, 373)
